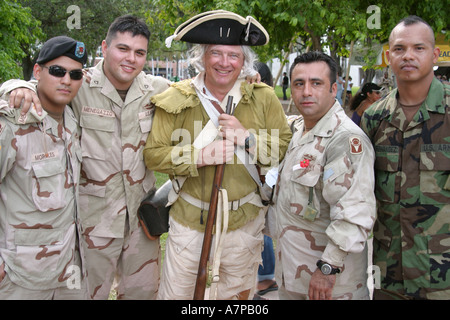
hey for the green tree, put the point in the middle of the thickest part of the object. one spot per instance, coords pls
(315, 24)
(19, 31)
(94, 18)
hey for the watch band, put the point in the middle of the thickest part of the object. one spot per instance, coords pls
(249, 141)
(327, 268)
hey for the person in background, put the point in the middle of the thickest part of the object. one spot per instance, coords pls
(285, 85)
(340, 86)
(349, 91)
(369, 93)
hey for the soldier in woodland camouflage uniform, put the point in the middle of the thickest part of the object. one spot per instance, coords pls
(115, 116)
(40, 159)
(324, 200)
(410, 131)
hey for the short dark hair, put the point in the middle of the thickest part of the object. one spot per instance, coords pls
(316, 56)
(411, 20)
(128, 23)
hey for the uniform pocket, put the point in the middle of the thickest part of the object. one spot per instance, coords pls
(386, 167)
(435, 174)
(439, 253)
(48, 185)
(42, 249)
(146, 120)
(96, 130)
(301, 188)
(99, 119)
(38, 237)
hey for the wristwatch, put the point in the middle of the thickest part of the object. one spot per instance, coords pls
(250, 141)
(327, 268)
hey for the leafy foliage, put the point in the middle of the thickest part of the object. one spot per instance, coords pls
(18, 29)
(293, 25)
(311, 23)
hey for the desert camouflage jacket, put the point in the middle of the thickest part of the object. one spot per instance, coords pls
(114, 178)
(39, 173)
(325, 205)
(412, 233)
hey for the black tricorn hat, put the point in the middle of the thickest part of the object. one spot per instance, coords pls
(221, 27)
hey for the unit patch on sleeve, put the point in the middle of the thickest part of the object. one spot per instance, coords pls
(356, 146)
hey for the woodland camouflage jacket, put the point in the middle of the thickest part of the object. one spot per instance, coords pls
(412, 232)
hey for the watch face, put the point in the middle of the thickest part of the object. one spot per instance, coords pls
(326, 268)
(250, 141)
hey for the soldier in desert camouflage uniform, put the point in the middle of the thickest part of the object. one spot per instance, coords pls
(115, 116)
(40, 160)
(410, 131)
(324, 200)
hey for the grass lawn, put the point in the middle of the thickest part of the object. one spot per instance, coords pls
(279, 92)
(161, 178)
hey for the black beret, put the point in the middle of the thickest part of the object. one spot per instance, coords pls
(221, 27)
(62, 46)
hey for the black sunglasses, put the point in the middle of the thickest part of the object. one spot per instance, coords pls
(60, 72)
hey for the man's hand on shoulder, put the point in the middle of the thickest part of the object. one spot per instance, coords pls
(25, 99)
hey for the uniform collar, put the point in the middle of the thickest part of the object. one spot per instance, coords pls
(435, 99)
(327, 125)
(434, 103)
(51, 125)
(139, 87)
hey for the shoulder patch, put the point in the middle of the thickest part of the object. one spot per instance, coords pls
(356, 146)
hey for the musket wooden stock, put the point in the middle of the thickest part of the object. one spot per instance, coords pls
(202, 274)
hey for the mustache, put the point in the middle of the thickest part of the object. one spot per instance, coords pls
(409, 64)
(308, 100)
(63, 88)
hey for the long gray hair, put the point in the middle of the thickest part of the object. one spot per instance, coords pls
(197, 53)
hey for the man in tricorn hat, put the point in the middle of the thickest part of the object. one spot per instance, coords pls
(196, 109)
(40, 160)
